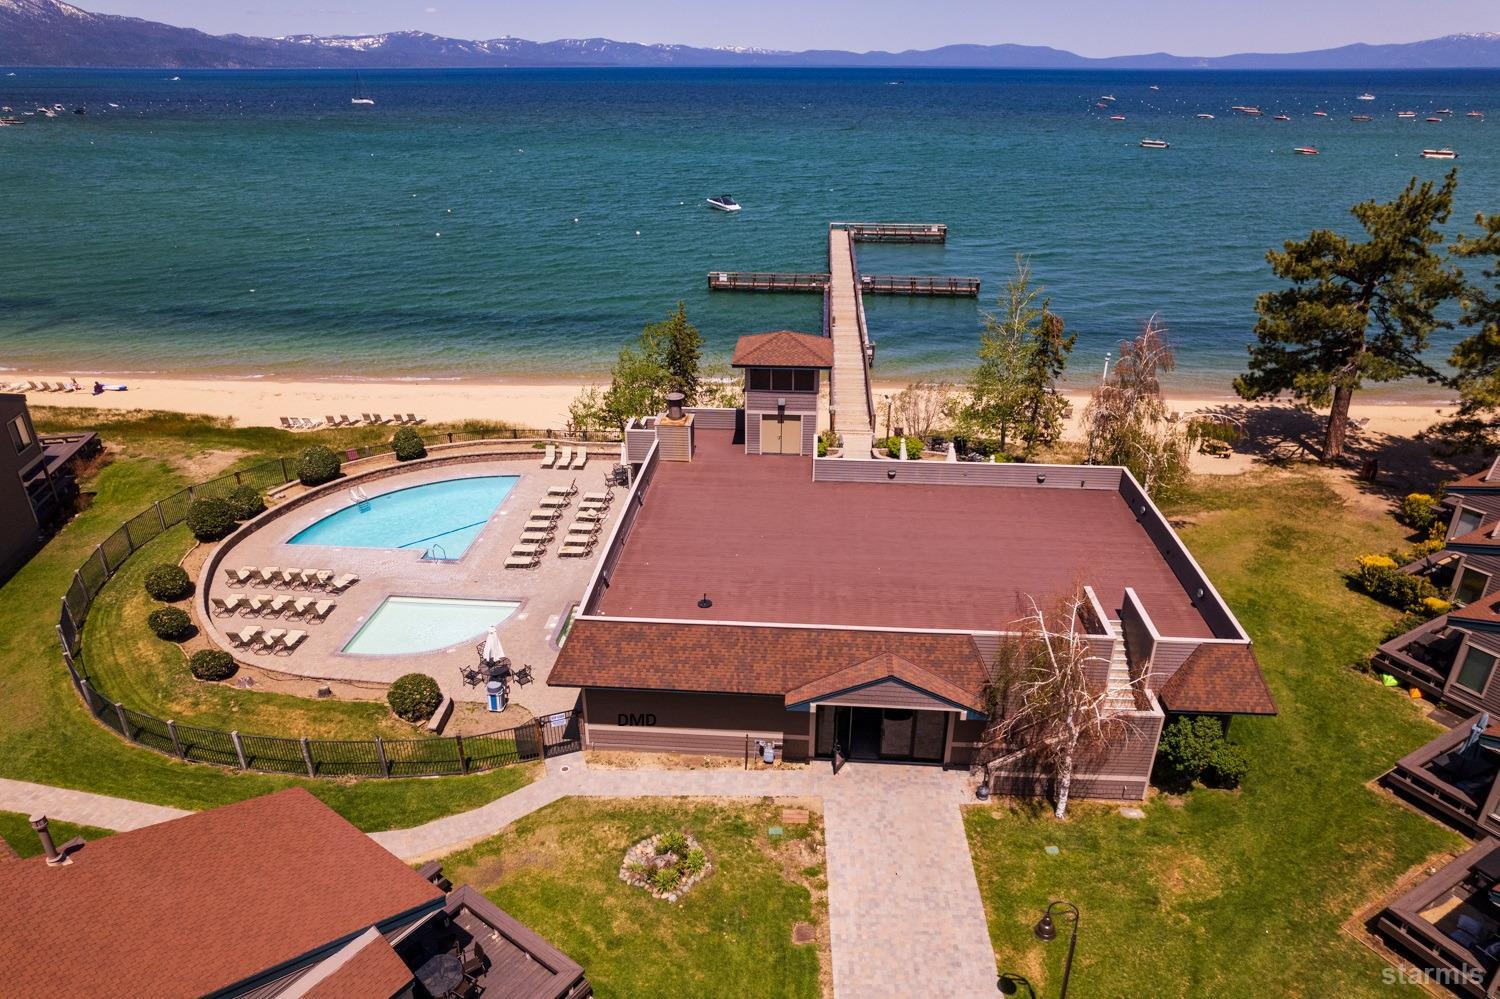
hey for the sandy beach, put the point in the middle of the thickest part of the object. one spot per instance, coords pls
(262, 402)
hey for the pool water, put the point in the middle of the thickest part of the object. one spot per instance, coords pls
(442, 519)
(405, 625)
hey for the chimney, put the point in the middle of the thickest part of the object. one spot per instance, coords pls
(674, 406)
(54, 858)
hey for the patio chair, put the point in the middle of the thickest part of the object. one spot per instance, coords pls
(321, 579)
(286, 423)
(348, 421)
(300, 607)
(565, 456)
(554, 502)
(239, 577)
(474, 963)
(606, 497)
(567, 490)
(412, 419)
(278, 605)
(289, 642)
(377, 418)
(523, 562)
(342, 583)
(526, 548)
(255, 606)
(591, 515)
(471, 675)
(332, 421)
(523, 675)
(225, 607)
(291, 577)
(268, 640)
(241, 639)
(268, 574)
(366, 418)
(581, 458)
(576, 549)
(550, 457)
(321, 610)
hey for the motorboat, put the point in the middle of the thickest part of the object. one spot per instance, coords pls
(1439, 154)
(1249, 109)
(1155, 87)
(1206, 117)
(366, 101)
(1366, 96)
(1434, 120)
(1474, 114)
(1282, 117)
(1406, 114)
(1107, 97)
(724, 203)
(1306, 150)
(1155, 144)
(1116, 117)
(1443, 111)
(1360, 117)
(1320, 114)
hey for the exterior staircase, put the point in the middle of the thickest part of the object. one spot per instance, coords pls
(1120, 697)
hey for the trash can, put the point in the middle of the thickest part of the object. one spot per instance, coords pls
(494, 695)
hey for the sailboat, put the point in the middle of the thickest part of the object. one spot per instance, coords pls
(356, 99)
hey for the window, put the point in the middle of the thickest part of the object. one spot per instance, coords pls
(1475, 672)
(1470, 586)
(781, 380)
(20, 433)
(760, 380)
(807, 381)
(1468, 520)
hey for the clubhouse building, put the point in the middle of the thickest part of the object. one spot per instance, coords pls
(754, 595)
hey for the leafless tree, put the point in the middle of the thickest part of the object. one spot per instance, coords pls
(1048, 707)
(923, 407)
(1127, 419)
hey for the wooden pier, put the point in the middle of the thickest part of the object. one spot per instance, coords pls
(895, 232)
(767, 281)
(924, 286)
(941, 287)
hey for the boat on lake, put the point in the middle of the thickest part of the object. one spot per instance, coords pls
(1306, 150)
(724, 203)
(1155, 144)
(1474, 114)
(1206, 117)
(1366, 96)
(1439, 154)
(1360, 117)
(1434, 119)
(1282, 117)
(1406, 114)
(1320, 114)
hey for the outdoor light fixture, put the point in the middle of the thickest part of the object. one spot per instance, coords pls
(1041, 477)
(1011, 984)
(1046, 931)
(890, 473)
(705, 603)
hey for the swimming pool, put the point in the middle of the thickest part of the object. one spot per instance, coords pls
(405, 625)
(442, 519)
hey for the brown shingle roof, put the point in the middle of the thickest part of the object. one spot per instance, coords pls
(199, 903)
(886, 665)
(1218, 679)
(1486, 478)
(372, 970)
(756, 660)
(1480, 537)
(783, 349)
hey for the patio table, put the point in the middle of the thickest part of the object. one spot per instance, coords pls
(440, 974)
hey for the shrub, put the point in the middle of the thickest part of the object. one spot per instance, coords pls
(672, 842)
(827, 441)
(246, 502)
(1378, 576)
(1434, 606)
(1419, 510)
(318, 465)
(414, 697)
(1194, 748)
(665, 879)
(212, 664)
(170, 623)
(694, 862)
(210, 518)
(913, 447)
(407, 445)
(168, 582)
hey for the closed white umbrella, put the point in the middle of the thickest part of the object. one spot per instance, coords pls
(493, 651)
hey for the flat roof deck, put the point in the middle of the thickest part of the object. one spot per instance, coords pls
(767, 544)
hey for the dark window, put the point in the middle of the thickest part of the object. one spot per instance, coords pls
(20, 433)
(1468, 520)
(1470, 586)
(807, 381)
(760, 380)
(781, 380)
(1475, 672)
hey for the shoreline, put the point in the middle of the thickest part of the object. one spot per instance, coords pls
(538, 404)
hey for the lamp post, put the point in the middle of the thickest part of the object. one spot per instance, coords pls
(1011, 984)
(1046, 932)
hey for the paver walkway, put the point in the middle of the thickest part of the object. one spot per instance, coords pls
(81, 807)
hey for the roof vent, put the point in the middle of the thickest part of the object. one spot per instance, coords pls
(674, 405)
(43, 833)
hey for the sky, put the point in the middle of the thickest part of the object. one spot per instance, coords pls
(1088, 27)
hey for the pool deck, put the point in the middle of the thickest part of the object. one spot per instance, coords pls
(545, 593)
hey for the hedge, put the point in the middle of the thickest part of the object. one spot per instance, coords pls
(210, 518)
(318, 465)
(407, 445)
(168, 582)
(414, 697)
(246, 502)
(170, 623)
(212, 664)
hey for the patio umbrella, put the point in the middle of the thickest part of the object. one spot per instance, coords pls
(493, 650)
(1475, 732)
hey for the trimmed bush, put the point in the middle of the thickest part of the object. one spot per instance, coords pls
(414, 697)
(1378, 576)
(168, 582)
(170, 623)
(210, 518)
(1194, 748)
(1419, 510)
(318, 465)
(246, 502)
(1434, 606)
(913, 447)
(212, 664)
(407, 445)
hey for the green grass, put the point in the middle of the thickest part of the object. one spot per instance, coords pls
(15, 829)
(46, 735)
(1229, 894)
(730, 935)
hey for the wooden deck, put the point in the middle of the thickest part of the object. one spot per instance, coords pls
(850, 407)
(920, 285)
(766, 281)
(896, 232)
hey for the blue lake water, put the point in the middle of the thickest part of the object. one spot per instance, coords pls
(439, 518)
(526, 222)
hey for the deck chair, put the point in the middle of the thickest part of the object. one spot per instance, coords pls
(240, 576)
(553, 502)
(286, 423)
(255, 606)
(536, 536)
(522, 675)
(565, 456)
(289, 642)
(321, 579)
(522, 562)
(268, 640)
(366, 418)
(576, 549)
(342, 583)
(581, 458)
(225, 607)
(332, 421)
(471, 676)
(322, 609)
(526, 548)
(244, 636)
(567, 490)
(266, 575)
(291, 577)
(591, 515)
(348, 421)
(550, 458)
(300, 607)
(278, 606)
(412, 419)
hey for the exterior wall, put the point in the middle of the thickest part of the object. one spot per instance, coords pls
(676, 440)
(20, 534)
(638, 440)
(1140, 640)
(661, 721)
(803, 404)
(1485, 501)
(1123, 773)
(965, 473)
(712, 419)
(888, 694)
(616, 542)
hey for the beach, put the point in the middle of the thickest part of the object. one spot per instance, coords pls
(539, 405)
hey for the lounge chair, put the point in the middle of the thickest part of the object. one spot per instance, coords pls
(300, 607)
(567, 490)
(289, 642)
(269, 639)
(377, 418)
(545, 513)
(342, 583)
(582, 531)
(278, 606)
(412, 419)
(591, 515)
(565, 456)
(523, 561)
(268, 575)
(244, 636)
(581, 458)
(289, 577)
(553, 502)
(368, 419)
(226, 606)
(240, 576)
(349, 421)
(286, 423)
(537, 535)
(550, 458)
(526, 548)
(321, 579)
(332, 420)
(607, 496)
(322, 609)
(576, 549)
(255, 606)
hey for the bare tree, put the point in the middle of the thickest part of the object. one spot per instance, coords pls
(1047, 698)
(1127, 419)
(924, 406)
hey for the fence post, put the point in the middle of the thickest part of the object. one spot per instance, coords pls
(463, 763)
(285, 478)
(129, 540)
(192, 494)
(541, 737)
(160, 517)
(103, 561)
(385, 767)
(239, 749)
(237, 480)
(124, 721)
(307, 758)
(176, 742)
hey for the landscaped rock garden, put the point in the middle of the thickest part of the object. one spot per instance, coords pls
(666, 865)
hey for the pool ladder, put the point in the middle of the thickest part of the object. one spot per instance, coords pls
(436, 553)
(359, 496)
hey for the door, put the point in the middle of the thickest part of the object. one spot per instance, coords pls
(780, 434)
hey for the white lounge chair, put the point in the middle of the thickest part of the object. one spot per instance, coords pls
(607, 496)
(526, 548)
(226, 606)
(269, 639)
(553, 502)
(342, 583)
(300, 607)
(268, 574)
(278, 606)
(565, 456)
(567, 490)
(240, 576)
(592, 515)
(577, 549)
(536, 536)
(289, 642)
(550, 458)
(256, 606)
(322, 609)
(581, 458)
(522, 562)
(321, 579)
(244, 636)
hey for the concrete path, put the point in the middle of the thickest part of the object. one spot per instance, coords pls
(81, 807)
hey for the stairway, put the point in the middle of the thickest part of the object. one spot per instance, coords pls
(1119, 696)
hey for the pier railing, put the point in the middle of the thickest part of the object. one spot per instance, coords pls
(766, 281)
(374, 757)
(920, 285)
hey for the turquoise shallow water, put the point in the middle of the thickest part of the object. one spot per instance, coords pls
(441, 518)
(408, 625)
(255, 223)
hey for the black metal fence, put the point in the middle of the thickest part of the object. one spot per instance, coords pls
(377, 757)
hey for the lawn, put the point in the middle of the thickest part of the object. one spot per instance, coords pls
(730, 935)
(1224, 893)
(45, 733)
(15, 829)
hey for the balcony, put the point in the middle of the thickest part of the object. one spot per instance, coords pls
(1453, 776)
(1423, 658)
(1449, 923)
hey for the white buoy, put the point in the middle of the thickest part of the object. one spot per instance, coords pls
(637, 232)
(438, 235)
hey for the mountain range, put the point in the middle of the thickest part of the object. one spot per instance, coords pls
(53, 33)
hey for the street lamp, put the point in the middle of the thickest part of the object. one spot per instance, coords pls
(1046, 932)
(1010, 984)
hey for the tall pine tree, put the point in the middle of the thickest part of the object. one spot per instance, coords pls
(1476, 358)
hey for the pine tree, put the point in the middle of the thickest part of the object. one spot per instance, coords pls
(681, 347)
(1018, 350)
(1355, 311)
(1044, 409)
(1476, 358)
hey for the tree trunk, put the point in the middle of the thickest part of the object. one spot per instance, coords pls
(1338, 423)
(1064, 783)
